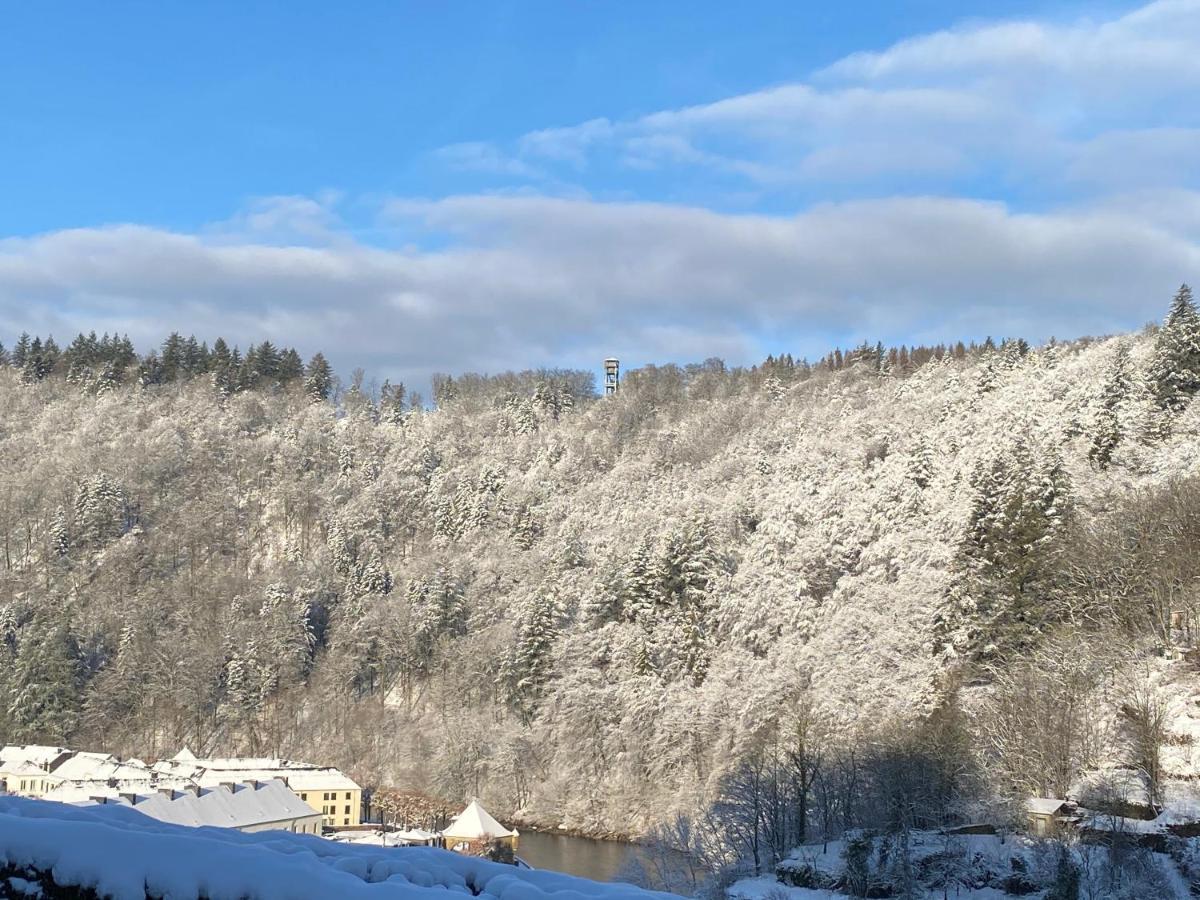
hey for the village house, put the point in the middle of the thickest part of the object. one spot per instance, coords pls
(474, 829)
(253, 806)
(36, 771)
(1043, 814)
(32, 770)
(325, 789)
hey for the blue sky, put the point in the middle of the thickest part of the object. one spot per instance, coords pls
(420, 187)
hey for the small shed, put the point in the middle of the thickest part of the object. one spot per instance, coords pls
(474, 828)
(1043, 813)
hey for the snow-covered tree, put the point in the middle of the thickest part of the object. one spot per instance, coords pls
(1175, 369)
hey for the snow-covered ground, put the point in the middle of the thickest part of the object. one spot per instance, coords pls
(124, 855)
(970, 867)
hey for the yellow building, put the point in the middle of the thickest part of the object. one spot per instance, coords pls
(327, 790)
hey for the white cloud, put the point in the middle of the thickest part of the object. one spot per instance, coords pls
(565, 281)
(898, 156)
(1000, 102)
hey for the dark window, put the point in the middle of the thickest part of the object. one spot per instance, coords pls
(347, 810)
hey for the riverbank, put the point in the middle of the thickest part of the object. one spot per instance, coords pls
(542, 827)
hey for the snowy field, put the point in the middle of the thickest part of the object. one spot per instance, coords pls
(122, 854)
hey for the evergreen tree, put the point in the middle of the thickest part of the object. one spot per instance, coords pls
(1118, 384)
(220, 356)
(534, 653)
(60, 539)
(318, 382)
(391, 403)
(46, 681)
(1175, 370)
(1066, 877)
(99, 510)
(172, 359)
(1011, 553)
(20, 351)
(195, 356)
(264, 361)
(639, 594)
(291, 367)
(151, 371)
(920, 465)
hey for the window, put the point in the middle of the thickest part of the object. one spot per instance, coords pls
(347, 795)
(347, 822)
(347, 810)
(304, 796)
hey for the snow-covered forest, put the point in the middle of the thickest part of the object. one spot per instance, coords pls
(892, 585)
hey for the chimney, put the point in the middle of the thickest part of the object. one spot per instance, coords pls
(169, 793)
(98, 799)
(230, 786)
(131, 799)
(252, 784)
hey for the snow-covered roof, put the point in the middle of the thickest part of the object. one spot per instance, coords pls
(99, 767)
(117, 852)
(38, 754)
(475, 823)
(297, 779)
(20, 769)
(386, 838)
(84, 789)
(299, 775)
(414, 834)
(1044, 806)
(220, 807)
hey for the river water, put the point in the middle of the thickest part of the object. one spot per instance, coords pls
(586, 857)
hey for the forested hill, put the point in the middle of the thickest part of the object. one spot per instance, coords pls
(589, 610)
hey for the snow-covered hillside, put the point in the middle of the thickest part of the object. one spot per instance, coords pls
(592, 611)
(124, 855)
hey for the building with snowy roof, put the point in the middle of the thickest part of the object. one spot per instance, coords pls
(85, 766)
(36, 771)
(252, 806)
(1043, 813)
(111, 850)
(31, 770)
(474, 828)
(325, 789)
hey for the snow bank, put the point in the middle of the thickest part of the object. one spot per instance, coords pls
(123, 854)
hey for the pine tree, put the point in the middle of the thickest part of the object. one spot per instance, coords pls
(46, 681)
(99, 510)
(1118, 384)
(639, 594)
(1010, 555)
(534, 653)
(266, 362)
(60, 539)
(1175, 370)
(172, 357)
(291, 367)
(20, 351)
(318, 382)
(391, 403)
(920, 464)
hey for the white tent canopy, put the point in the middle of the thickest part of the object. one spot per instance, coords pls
(475, 823)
